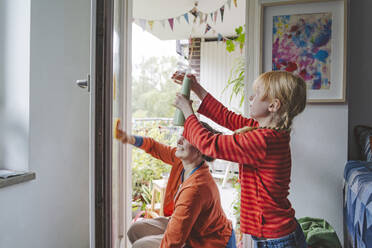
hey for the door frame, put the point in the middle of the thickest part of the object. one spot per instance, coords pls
(100, 124)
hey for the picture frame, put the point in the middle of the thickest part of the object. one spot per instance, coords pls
(308, 38)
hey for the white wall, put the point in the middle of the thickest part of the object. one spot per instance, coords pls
(14, 83)
(53, 209)
(319, 153)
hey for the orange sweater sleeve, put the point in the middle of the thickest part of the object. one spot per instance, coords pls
(187, 210)
(160, 151)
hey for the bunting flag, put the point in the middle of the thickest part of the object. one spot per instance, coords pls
(207, 28)
(171, 20)
(229, 4)
(142, 23)
(201, 18)
(151, 24)
(219, 37)
(186, 15)
(222, 10)
(195, 12)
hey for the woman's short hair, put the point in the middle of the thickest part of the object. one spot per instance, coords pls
(212, 130)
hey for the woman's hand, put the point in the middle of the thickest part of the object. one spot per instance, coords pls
(121, 135)
(183, 104)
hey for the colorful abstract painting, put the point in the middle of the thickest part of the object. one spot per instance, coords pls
(302, 45)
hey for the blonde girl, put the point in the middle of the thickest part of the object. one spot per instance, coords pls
(260, 145)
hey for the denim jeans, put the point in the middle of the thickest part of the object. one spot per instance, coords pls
(292, 240)
(232, 241)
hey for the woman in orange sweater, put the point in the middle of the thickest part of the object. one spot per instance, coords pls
(191, 200)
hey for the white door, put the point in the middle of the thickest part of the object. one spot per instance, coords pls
(110, 73)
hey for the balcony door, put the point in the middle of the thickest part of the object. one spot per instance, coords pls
(110, 181)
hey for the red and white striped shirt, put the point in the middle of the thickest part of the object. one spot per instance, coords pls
(264, 159)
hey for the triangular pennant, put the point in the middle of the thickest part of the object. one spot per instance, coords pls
(219, 37)
(178, 19)
(229, 4)
(236, 3)
(222, 9)
(207, 28)
(142, 23)
(186, 15)
(201, 18)
(162, 23)
(212, 17)
(151, 24)
(206, 18)
(170, 20)
(215, 16)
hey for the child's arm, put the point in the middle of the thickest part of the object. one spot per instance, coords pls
(246, 148)
(157, 150)
(210, 107)
(218, 113)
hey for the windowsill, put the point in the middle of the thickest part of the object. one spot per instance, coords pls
(17, 179)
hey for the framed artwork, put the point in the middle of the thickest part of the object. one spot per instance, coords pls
(308, 38)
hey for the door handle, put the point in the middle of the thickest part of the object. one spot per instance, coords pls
(84, 83)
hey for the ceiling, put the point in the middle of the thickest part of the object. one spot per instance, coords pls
(159, 11)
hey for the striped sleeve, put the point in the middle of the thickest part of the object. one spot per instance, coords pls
(246, 148)
(160, 151)
(218, 113)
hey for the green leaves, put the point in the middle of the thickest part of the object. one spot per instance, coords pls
(230, 46)
(236, 80)
(240, 40)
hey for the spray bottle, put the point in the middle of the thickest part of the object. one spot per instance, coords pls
(179, 119)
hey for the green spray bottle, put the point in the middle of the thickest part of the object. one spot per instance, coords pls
(179, 118)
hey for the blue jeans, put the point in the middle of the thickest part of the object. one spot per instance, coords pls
(292, 240)
(232, 241)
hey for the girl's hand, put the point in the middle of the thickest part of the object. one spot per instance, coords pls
(122, 135)
(178, 79)
(194, 86)
(183, 104)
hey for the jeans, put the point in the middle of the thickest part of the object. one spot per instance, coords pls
(295, 239)
(232, 241)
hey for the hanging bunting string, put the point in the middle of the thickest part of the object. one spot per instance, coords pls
(195, 12)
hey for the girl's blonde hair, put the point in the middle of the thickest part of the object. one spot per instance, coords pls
(289, 89)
